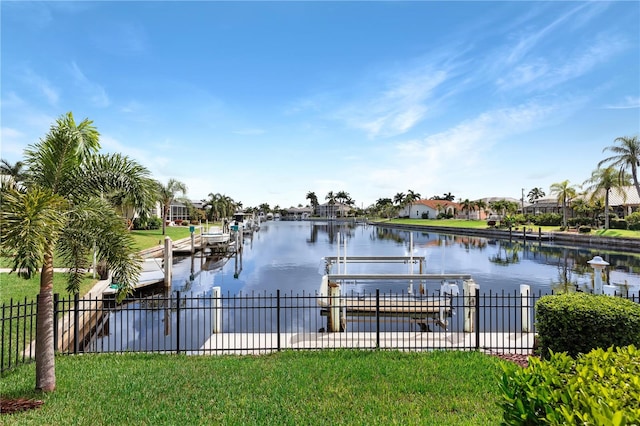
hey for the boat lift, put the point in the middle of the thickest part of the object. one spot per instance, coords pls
(419, 308)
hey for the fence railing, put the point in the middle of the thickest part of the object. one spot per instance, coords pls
(260, 322)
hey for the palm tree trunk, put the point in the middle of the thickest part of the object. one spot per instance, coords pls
(164, 218)
(45, 359)
(606, 210)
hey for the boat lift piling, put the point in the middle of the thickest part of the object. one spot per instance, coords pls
(338, 307)
(168, 261)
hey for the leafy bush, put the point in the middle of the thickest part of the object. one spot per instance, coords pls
(634, 221)
(618, 224)
(547, 219)
(579, 322)
(579, 221)
(599, 388)
(147, 223)
(584, 229)
(425, 215)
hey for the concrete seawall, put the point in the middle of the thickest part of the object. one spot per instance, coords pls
(588, 240)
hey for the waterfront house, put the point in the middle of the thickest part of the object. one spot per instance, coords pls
(430, 209)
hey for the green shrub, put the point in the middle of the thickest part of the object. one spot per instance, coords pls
(548, 219)
(579, 322)
(584, 229)
(579, 221)
(618, 224)
(599, 388)
(154, 223)
(633, 220)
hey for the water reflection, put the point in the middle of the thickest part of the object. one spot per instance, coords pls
(286, 256)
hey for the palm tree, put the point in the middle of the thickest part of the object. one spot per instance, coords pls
(448, 196)
(332, 201)
(14, 171)
(313, 199)
(628, 156)
(411, 196)
(129, 204)
(468, 206)
(60, 210)
(167, 194)
(481, 205)
(398, 199)
(606, 179)
(535, 194)
(564, 193)
(264, 207)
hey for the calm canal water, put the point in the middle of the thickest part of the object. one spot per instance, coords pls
(287, 256)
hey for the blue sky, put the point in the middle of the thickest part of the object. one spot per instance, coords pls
(266, 101)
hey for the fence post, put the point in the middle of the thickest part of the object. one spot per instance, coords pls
(76, 321)
(278, 316)
(177, 321)
(56, 299)
(217, 309)
(377, 318)
(477, 320)
(525, 290)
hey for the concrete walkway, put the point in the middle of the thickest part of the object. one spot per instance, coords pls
(257, 343)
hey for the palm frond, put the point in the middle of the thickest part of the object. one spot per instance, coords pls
(30, 223)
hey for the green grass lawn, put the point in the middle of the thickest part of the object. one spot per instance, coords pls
(289, 388)
(617, 233)
(16, 288)
(482, 224)
(153, 237)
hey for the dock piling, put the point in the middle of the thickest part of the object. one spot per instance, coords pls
(168, 260)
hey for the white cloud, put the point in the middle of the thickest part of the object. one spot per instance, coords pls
(42, 85)
(13, 142)
(399, 107)
(96, 93)
(439, 158)
(629, 102)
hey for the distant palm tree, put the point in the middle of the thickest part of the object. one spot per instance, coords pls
(398, 199)
(481, 205)
(15, 171)
(564, 193)
(332, 201)
(628, 156)
(342, 197)
(313, 199)
(60, 209)
(448, 196)
(468, 206)
(264, 207)
(167, 194)
(606, 179)
(410, 198)
(535, 194)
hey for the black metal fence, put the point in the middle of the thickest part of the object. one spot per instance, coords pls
(260, 322)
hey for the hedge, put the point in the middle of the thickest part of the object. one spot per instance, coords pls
(579, 322)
